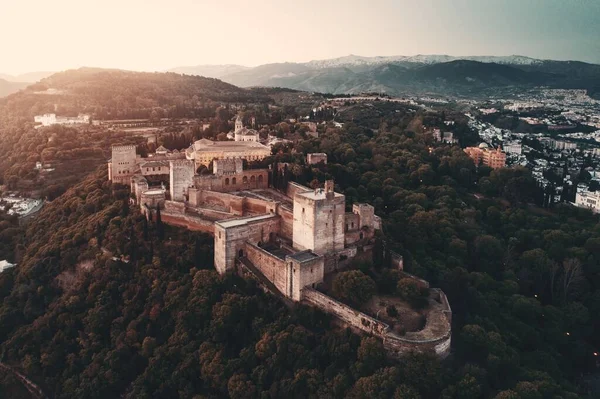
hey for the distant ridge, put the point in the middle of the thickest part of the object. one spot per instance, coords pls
(7, 87)
(399, 75)
(30, 77)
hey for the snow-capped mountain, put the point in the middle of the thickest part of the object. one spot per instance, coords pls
(428, 59)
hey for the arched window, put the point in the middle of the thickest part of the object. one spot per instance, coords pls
(227, 181)
(260, 179)
(241, 253)
(252, 179)
(233, 181)
(245, 180)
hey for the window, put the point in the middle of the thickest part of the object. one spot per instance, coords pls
(245, 180)
(219, 234)
(227, 181)
(233, 181)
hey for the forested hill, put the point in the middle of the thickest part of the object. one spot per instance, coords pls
(117, 94)
(103, 304)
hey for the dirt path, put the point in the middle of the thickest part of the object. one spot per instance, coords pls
(33, 389)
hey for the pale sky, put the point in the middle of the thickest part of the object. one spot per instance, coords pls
(39, 35)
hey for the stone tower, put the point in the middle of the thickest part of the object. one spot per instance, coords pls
(181, 177)
(122, 164)
(319, 220)
(239, 124)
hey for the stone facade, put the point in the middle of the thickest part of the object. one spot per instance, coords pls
(319, 217)
(228, 182)
(231, 236)
(181, 177)
(122, 164)
(204, 151)
(228, 166)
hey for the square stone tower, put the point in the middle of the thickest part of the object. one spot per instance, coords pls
(319, 220)
(122, 164)
(181, 177)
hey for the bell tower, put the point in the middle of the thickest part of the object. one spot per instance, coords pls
(239, 124)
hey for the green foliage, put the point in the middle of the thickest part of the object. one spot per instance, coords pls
(410, 290)
(354, 286)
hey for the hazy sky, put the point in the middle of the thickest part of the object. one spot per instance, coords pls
(159, 34)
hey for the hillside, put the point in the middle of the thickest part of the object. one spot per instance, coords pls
(100, 306)
(7, 87)
(116, 94)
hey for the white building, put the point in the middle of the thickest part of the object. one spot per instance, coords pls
(244, 134)
(587, 199)
(52, 119)
(513, 148)
(5, 265)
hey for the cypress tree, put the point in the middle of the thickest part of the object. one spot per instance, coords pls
(160, 229)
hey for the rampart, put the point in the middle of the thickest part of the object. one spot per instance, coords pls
(435, 337)
(272, 267)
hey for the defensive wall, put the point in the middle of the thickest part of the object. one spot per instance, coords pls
(435, 337)
(272, 267)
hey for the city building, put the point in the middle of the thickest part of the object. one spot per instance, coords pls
(483, 155)
(589, 200)
(513, 148)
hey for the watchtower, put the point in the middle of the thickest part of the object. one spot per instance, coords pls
(319, 220)
(122, 164)
(181, 177)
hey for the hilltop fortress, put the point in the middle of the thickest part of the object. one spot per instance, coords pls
(289, 240)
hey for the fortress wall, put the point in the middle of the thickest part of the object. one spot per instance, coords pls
(189, 222)
(256, 206)
(295, 188)
(246, 180)
(269, 265)
(175, 207)
(351, 237)
(213, 214)
(344, 313)
(394, 344)
(219, 201)
(229, 241)
(287, 222)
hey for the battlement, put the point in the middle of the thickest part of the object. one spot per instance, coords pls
(123, 148)
(181, 163)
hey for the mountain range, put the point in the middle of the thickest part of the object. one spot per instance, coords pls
(30, 77)
(12, 83)
(403, 75)
(7, 87)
